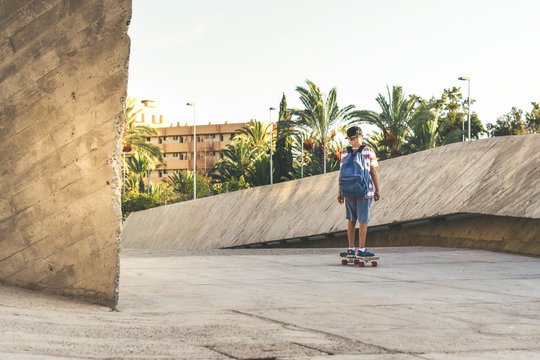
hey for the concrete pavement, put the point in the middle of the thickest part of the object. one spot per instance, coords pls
(420, 303)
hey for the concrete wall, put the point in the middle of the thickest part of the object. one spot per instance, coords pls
(63, 78)
(496, 177)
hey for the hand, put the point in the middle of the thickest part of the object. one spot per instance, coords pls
(377, 195)
(340, 199)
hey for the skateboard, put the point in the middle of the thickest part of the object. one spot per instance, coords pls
(359, 260)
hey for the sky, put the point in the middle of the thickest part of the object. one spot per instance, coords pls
(234, 59)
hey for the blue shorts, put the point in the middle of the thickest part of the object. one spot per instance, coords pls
(358, 210)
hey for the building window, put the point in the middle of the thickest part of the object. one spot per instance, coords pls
(147, 139)
(160, 140)
(160, 174)
(231, 137)
(220, 155)
(175, 155)
(220, 137)
(175, 137)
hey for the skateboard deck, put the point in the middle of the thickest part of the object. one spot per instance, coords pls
(359, 260)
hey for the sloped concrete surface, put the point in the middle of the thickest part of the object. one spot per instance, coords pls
(420, 303)
(493, 177)
(63, 80)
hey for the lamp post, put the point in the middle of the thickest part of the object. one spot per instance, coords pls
(194, 154)
(148, 177)
(325, 122)
(271, 143)
(468, 79)
(302, 149)
(124, 170)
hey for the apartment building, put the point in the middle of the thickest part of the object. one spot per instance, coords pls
(176, 143)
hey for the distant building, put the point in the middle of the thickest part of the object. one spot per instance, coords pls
(177, 145)
(149, 115)
(176, 142)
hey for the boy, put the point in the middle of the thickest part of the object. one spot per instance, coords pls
(357, 209)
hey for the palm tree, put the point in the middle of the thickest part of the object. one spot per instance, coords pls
(259, 172)
(395, 119)
(237, 161)
(428, 130)
(320, 115)
(135, 135)
(181, 182)
(257, 133)
(131, 182)
(377, 142)
(138, 164)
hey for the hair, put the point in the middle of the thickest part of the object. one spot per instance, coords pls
(354, 131)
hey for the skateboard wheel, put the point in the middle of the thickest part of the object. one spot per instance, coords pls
(344, 262)
(356, 261)
(361, 264)
(374, 264)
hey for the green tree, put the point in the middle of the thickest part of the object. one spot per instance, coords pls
(302, 145)
(395, 119)
(377, 142)
(533, 119)
(136, 201)
(259, 172)
(138, 165)
(257, 134)
(511, 123)
(237, 161)
(427, 127)
(453, 113)
(232, 185)
(321, 116)
(283, 158)
(181, 182)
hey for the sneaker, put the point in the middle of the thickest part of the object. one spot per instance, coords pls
(350, 252)
(365, 253)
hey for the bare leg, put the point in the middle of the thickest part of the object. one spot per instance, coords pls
(350, 233)
(362, 233)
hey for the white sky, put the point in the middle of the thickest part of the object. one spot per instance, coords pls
(235, 58)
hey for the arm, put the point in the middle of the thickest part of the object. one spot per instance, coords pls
(375, 178)
(340, 198)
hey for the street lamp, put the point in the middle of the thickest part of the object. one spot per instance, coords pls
(271, 143)
(324, 131)
(194, 154)
(302, 149)
(468, 79)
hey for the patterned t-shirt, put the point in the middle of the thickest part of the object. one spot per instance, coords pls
(370, 160)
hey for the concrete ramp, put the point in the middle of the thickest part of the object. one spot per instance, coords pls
(479, 194)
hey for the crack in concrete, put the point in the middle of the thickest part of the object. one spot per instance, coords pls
(331, 335)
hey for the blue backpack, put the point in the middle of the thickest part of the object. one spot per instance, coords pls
(354, 176)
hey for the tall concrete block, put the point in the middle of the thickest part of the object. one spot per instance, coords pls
(63, 81)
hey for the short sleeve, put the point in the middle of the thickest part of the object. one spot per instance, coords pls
(373, 158)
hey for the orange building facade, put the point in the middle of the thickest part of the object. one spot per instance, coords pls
(176, 142)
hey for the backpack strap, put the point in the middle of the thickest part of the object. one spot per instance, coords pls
(349, 149)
